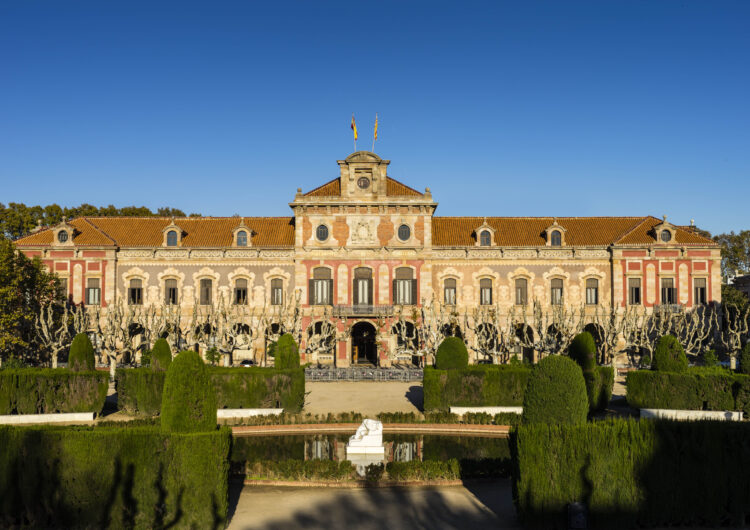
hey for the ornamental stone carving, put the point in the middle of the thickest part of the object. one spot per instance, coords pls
(521, 254)
(592, 253)
(211, 253)
(135, 253)
(241, 253)
(177, 253)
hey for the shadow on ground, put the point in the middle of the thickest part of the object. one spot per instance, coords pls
(415, 395)
(479, 506)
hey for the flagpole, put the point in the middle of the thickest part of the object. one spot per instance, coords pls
(375, 132)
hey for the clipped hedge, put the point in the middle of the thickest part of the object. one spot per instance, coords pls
(599, 385)
(556, 393)
(669, 355)
(287, 353)
(451, 354)
(633, 473)
(81, 354)
(476, 385)
(691, 390)
(424, 470)
(294, 469)
(47, 390)
(62, 477)
(582, 350)
(139, 390)
(161, 356)
(188, 401)
(743, 366)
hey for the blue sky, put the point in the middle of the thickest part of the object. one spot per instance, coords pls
(518, 109)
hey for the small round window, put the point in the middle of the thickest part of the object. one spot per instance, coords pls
(62, 236)
(666, 236)
(363, 183)
(404, 232)
(322, 233)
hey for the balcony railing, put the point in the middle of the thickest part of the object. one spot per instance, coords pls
(362, 310)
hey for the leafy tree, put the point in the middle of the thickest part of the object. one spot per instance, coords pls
(188, 402)
(25, 286)
(734, 297)
(735, 253)
(81, 355)
(213, 356)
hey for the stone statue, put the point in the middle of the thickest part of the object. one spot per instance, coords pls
(368, 435)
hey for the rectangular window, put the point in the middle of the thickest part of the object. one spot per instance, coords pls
(205, 294)
(634, 291)
(699, 297)
(363, 292)
(556, 294)
(277, 292)
(240, 292)
(450, 291)
(521, 292)
(135, 292)
(403, 294)
(668, 292)
(93, 292)
(64, 287)
(485, 291)
(170, 292)
(592, 291)
(322, 292)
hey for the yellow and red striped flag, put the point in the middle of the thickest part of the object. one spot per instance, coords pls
(354, 128)
(375, 135)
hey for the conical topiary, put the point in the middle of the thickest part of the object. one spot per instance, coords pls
(582, 350)
(161, 356)
(451, 354)
(555, 392)
(287, 353)
(669, 356)
(188, 402)
(81, 355)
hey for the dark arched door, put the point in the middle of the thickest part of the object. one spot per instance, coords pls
(364, 349)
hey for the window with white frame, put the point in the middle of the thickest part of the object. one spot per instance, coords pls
(277, 292)
(485, 291)
(404, 287)
(321, 287)
(556, 291)
(449, 290)
(592, 291)
(362, 288)
(93, 291)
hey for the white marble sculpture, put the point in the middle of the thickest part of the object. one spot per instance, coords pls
(368, 439)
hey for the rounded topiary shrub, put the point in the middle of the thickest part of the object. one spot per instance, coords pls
(81, 355)
(287, 353)
(555, 392)
(583, 351)
(451, 354)
(744, 360)
(161, 356)
(669, 356)
(188, 402)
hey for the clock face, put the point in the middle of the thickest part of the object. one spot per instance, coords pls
(363, 183)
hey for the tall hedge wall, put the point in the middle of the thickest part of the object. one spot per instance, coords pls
(477, 385)
(139, 390)
(599, 385)
(46, 390)
(633, 473)
(65, 477)
(691, 390)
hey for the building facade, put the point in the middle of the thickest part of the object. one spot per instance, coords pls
(363, 250)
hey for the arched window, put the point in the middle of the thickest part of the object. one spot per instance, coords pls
(449, 288)
(172, 238)
(485, 238)
(556, 238)
(135, 292)
(404, 287)
(321, 232)
(277, 292)
(522, 296)
(241, 238)
(556, 293)
(321, 286)
(485, 291)
(592, 291)
(240, 291)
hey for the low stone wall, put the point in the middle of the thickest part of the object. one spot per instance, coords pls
(460, 411)
(691, 415)
(37, 419)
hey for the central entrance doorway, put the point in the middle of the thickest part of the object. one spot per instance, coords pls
(364, 349)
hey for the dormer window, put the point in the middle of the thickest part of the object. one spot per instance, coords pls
(241, 238)
(172, 238)
(556, 238)
(62, 236)
(666, 236)
(664, 232)
(485, 238)
(555, 234)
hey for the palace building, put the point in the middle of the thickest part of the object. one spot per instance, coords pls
(364, 246)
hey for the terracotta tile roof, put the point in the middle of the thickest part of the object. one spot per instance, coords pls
(393, 188)
(580, 231)
(147, 231)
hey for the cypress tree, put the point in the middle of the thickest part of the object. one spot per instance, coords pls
(81, 355)
(188, 402)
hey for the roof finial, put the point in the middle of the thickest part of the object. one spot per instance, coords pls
(692, 222)
(665, 218)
